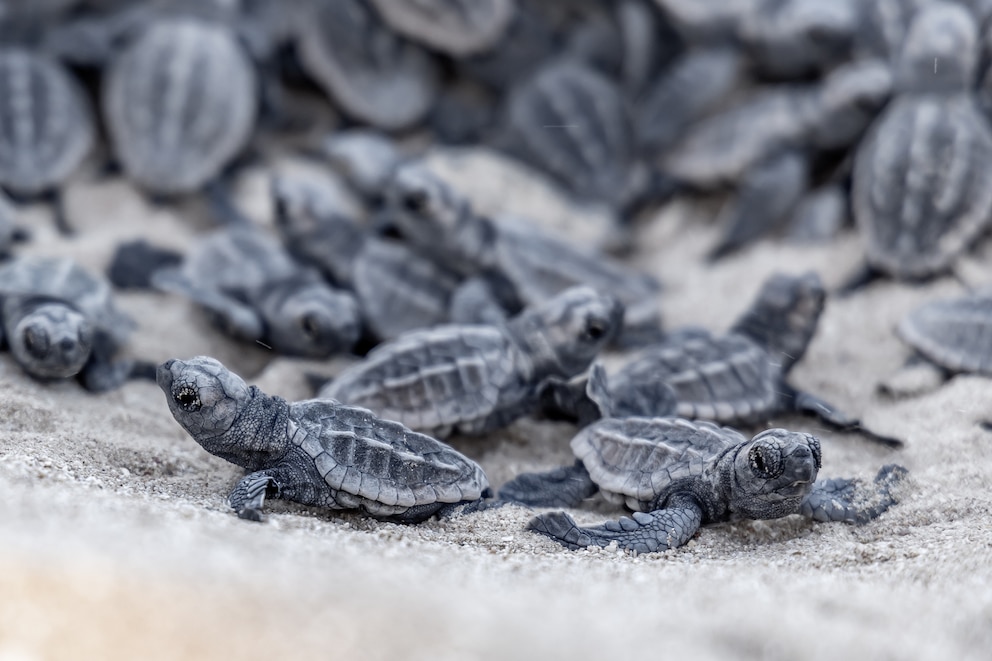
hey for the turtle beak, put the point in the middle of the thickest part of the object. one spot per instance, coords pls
(163, 375)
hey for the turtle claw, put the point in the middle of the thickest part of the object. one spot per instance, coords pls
(250, 514)
(561, 528)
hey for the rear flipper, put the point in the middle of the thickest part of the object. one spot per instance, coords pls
(846, 500)
(765, 197)
(420, 513)
(804, 402)
(562, 487)
(135, 262)
(644, 533)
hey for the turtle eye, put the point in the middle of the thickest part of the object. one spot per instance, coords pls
(595, 329)
(35, 340)
(187, 398)
(765, 461)
(310, 325)
(415, 201)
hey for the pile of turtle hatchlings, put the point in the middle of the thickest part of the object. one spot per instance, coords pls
(468, 312)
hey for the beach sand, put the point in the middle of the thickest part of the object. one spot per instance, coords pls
(116, 541)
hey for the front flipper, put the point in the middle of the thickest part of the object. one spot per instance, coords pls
(842, 499)
(562, 487)
(804, 402)
(660, 530)
(249, 495)
(231, 315)
(570, 400)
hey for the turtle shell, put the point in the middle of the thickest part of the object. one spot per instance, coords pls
(729, 379)
(953, 333)
(381, 461)
(46, 126)
(571, 121)
(400, 291)
(372, 74)
(63, 279)
(237, 259)
(920, 192)
(455, 27)
(640, 461)
(180, 102)
(432, 379)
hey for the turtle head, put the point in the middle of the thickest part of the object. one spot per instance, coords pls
(940, 51)
(851, 97)
(53, 341)
(772, 474)
(204, 396)
(784, 316)
(314, 321)
(431, 215)
(565, 333)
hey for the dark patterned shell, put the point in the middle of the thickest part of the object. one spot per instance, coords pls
(180, 103)
(642, 458)
(379, 460)
(955, 334)
(921, 183)
(540, 266)
(431, 379)
(572, 122)
(63, 279)
(399, 290)
(46, 126)
(372, 74)
(456, 27)
(728, 379)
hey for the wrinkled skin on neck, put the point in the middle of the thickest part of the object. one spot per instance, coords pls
(229, 419)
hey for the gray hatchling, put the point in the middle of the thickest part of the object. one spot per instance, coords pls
(374, 75)
(397, 289)
(455, 27)
(736, 378)
(763, 147)
(948, 336)
(475, 378)
(316, 452)
(180, 102)
(920, 188)
(677, 475)
(364, 157)
(519, 264)
(59, 321)
(46, 125)
(255, 291)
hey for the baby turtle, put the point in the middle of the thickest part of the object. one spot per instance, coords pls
(949, 336)
(364, 157)
(737, 378)
(571, 121)
(371, 73)
(180, 103)
(920, 190)
(316, 452)
(455, 27)
(256, 292)
(59, 321)
(46, 125)
(521, 265)
(475, 378)
(397, 289)
(768, 162)
(677, 475)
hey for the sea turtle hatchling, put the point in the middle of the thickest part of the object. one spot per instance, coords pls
(46, 125)
(374, 75)
(521, 265)
(736, 378)
(180, 103)
(316, 452)
(455, 27)
(476, 378)
(677, 475)
(948, 336)
(397, 289)
(60, 321)
(920, 188)
(256, 292)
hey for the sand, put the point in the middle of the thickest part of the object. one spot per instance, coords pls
(116, 541)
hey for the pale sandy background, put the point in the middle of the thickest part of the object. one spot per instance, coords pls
(116, 541)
